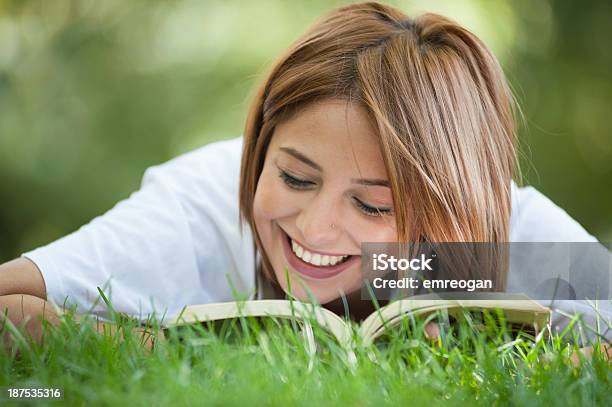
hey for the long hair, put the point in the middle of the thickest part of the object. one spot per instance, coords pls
(438, 99)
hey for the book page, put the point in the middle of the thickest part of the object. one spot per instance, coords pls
(262, 308)
(517, 309)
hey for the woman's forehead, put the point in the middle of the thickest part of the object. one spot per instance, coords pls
(331, 130)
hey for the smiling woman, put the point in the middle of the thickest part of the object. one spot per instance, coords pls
(372, 127)
(418, 104)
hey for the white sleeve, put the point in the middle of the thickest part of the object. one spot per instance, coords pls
(174, 242)
(535, 218)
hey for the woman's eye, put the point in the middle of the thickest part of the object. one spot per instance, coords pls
(294, 182)
(372, 211)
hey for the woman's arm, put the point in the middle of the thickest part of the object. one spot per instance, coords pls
(25, 312)
(23, 302)
(21, 276)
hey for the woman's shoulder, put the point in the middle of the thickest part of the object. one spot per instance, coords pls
(535, 218)
(218, 157)
(205, 177)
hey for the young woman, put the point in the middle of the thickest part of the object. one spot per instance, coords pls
(372, 127)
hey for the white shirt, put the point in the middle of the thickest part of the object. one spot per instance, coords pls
(177, 242)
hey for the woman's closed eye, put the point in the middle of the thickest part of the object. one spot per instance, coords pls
(372, 210)
(300, 184)
(294, 182)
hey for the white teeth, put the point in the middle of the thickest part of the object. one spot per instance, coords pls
(325, 260)
(315, 259)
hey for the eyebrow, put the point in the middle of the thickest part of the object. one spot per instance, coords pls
(371, 182)
(362, 181)
(293, 152)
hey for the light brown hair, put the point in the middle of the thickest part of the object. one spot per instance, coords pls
(441, 105)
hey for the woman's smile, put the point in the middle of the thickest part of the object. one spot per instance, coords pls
(315, 264)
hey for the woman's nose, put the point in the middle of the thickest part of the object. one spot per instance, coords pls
(319, 223)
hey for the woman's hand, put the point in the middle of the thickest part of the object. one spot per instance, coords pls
(432, 332)
(147, 338)
(143, 334)
(605, 349)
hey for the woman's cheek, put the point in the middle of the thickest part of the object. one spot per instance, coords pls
(272, 199)
(263, 204)
(384, 233)
(364, 230)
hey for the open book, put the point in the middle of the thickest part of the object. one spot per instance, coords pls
(519, 310)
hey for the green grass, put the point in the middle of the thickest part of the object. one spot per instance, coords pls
(268, 362)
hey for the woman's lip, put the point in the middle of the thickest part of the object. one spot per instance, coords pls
(313, 271)
(314, 251)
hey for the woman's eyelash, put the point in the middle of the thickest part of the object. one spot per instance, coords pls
(293, 182)
(297, 183)
(372, 211)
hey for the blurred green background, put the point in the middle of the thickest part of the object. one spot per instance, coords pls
(93, 92)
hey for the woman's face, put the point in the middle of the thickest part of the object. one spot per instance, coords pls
(322, 192)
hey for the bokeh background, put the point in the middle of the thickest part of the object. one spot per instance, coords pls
(93, 92)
